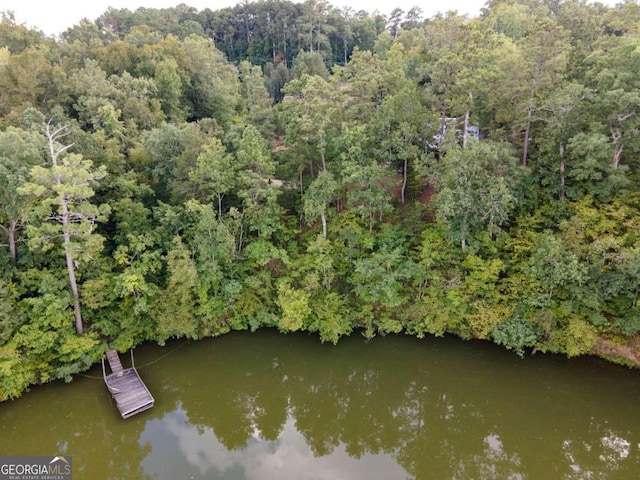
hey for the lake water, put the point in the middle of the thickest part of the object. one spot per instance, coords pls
(266, 406)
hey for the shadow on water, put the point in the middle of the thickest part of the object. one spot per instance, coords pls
(271, 406)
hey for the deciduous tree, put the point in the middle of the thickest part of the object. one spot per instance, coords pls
(476, 190)
(20, 150)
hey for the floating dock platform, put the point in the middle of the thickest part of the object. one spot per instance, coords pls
(126, 387)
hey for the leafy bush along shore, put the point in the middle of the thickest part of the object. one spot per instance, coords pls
(174, 173)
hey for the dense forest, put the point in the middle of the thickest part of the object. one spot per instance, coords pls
(173, 173)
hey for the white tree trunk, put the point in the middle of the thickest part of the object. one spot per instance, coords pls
(323, 216)
(55, 151)
(467, 114)
(404, 179)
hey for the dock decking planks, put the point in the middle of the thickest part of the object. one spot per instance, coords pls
(114, 361)
(126, 387)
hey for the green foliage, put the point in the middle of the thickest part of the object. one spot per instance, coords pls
(590, 171)
(295, 307)
(170, 89)
(214, 88)
(44, 348)
(20, 150)
(256, 103)
(330, 317)
(10, 317)
(579, 336)
(369, 197)
(475, 190)
(275, 77)
(441, 309)
(177, 303)
(215, 173)
(209, 219)
(319, 195)
(309, 63)
(379, 277)
(169, 153)
(72, 180)
(554, 267)
(516, 334)
(255, 171)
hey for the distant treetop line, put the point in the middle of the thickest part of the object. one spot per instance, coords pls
(268, 31)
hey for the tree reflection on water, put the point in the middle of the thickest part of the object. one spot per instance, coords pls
(289, 457)
(270, 406)
(395, 408)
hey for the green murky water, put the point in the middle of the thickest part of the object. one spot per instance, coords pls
(273, 407)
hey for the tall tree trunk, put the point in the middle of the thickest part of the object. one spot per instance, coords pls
(345, 53)
(301, 196)
(527, 132)
(10, 231)
(70, 269)
(617, 155)
(219, 206)
(562, 168)
(322, 148)
(13, 251)
(301, 185)
(248, 32)
(467, 114)
(404, 179)
(284, 46)
(55, 152)
(323, 216)
(532, 97)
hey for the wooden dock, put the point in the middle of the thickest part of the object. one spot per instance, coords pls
(126, 387)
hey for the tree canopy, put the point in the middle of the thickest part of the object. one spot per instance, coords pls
(174, 173)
